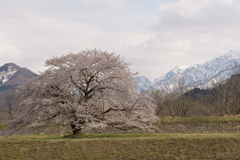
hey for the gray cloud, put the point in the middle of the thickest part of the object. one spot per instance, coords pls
(180, 33)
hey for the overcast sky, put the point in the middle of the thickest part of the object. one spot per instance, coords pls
(154, 35)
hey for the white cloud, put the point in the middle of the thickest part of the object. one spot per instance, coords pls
(106, 2)
(192, 31)
(190, 8)
(9, 51)
(34, 37)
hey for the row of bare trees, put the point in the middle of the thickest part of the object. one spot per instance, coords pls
(225, 98)
(8, 103)
(222, 99)
(172, 102)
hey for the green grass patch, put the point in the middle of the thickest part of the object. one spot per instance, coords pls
(129, 146)
(213, 119)
(119, 136)
(2, 126)
(92, 136)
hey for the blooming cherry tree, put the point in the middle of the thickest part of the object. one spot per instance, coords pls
(91, 88)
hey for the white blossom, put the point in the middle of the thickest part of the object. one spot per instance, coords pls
(92, 88)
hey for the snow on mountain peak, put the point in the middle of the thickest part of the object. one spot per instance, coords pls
(233, 54)
(176, 71)
(5, 75)
(180, 69)
(200, 74)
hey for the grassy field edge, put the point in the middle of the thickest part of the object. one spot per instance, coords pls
(129, 146)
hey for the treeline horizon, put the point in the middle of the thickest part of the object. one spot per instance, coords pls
(223, 99)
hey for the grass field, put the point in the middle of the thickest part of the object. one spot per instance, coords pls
(212, 119)
(124, 146)
(129, 146)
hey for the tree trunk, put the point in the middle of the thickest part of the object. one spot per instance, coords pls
(76, 130)
(238, 112)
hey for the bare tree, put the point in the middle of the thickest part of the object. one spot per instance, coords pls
(10, 99)
(224, 97)
(92, 88)
(177, 105)
(158, 97)
(176, 102)
(2, 114)
(9, 103)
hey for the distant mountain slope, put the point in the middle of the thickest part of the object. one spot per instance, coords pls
(13, 75)
(7, 71)
(171, 74)
(21, 77)
(200, 75)
(143, 83)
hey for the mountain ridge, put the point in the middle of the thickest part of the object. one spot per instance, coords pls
(12, 74)
(199, 75)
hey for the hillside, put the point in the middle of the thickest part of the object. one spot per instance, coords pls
(12, 75)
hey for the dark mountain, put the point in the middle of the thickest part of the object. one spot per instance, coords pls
(20, 77)
(5, 67)
(12, 75)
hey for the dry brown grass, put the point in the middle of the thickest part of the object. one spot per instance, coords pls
(137, 146)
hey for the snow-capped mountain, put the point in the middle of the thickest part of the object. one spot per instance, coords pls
(163, 81)
(200, 75)
(143, 83)
(7, 71)
(12, 75)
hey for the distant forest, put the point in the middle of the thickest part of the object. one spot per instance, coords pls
(222, 99)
